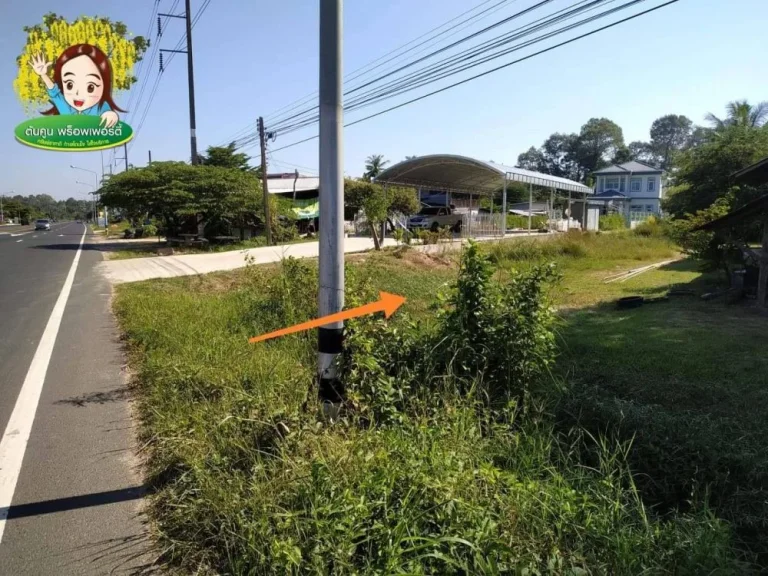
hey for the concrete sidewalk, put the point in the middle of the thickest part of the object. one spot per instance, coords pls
(137, 269)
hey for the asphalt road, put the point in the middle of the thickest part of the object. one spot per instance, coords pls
(76, 506)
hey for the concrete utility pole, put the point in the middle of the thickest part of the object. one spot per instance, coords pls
(191, 80)
(331, 293)
(190, 74)
(125, 149)
(264, 180)
(150, 157)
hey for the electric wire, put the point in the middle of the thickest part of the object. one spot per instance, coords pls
(491, 71)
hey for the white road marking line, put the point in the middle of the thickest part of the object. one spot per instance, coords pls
(61, 235)
(35, 236)
(17, 241)
(13, 444)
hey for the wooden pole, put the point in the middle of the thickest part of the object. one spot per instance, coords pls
(264, 183)
(762, 280)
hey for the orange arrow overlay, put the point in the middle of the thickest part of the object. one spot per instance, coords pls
(386, 303)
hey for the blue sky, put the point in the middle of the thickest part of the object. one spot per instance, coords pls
(252, 58)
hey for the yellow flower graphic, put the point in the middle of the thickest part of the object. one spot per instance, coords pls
(56, 35)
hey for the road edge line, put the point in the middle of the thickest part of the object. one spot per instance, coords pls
(13, 444)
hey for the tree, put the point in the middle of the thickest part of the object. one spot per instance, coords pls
(226, 157)
(532, 159)
(598, 141)
(698, 136)
(669, 135)
(374, 165)
(641, 152)
(379, 204)
(705, 172)
(622, 155)
(411, 157)
(559, 153)
(740, 113)
(177, 192)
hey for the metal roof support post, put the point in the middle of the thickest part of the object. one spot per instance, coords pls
(568, 214)
(551, 211)
(530, 206)
(469, 218)
(504, 208)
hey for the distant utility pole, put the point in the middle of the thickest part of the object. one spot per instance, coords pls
(264, 179)
(150, 157)
(187, 16)
(331, 261)
(125, 149)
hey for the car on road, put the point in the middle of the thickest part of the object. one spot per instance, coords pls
(434, 217)
(42, 224)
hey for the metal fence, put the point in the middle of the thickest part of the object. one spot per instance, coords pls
(478, 224)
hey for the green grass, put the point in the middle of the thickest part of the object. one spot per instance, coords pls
(612, 222)
(686, 381)
(249, 481)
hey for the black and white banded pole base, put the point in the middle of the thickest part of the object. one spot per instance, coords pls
(330, 389)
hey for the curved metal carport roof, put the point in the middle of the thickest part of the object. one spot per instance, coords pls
(462, 174)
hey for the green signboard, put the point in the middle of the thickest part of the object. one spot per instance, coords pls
(72, 133)
(306, 209)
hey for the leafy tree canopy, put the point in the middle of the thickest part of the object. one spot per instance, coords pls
(670, 134)
(176, 191)
(705, 172)
(226, 157)
(740, 113)
(374, 165)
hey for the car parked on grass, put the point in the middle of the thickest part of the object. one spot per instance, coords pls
(435, 217)
(42, 224)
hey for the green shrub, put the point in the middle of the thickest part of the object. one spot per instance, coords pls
(443, 462)
(149, 230)
(612, 222)
(515, 221)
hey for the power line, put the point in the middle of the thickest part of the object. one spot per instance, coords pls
(247, 131)
(492, 70)
(181, 41)
(452, 66)
(140, 67)
(434, 53)
(152, 58)
(427, 74)
(364, 70)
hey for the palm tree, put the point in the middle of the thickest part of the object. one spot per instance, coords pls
(374, 165)
(741, 113)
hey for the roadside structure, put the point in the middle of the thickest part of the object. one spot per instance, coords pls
(461, 175)
(749, 213)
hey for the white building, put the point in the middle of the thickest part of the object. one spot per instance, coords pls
(639, 185)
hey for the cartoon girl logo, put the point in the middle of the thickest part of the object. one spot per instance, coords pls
(82, 83)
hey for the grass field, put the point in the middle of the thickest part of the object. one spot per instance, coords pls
(249, 481)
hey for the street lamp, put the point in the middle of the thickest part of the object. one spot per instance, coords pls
(96, 186)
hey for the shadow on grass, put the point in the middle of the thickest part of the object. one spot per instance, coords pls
(683, 382)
